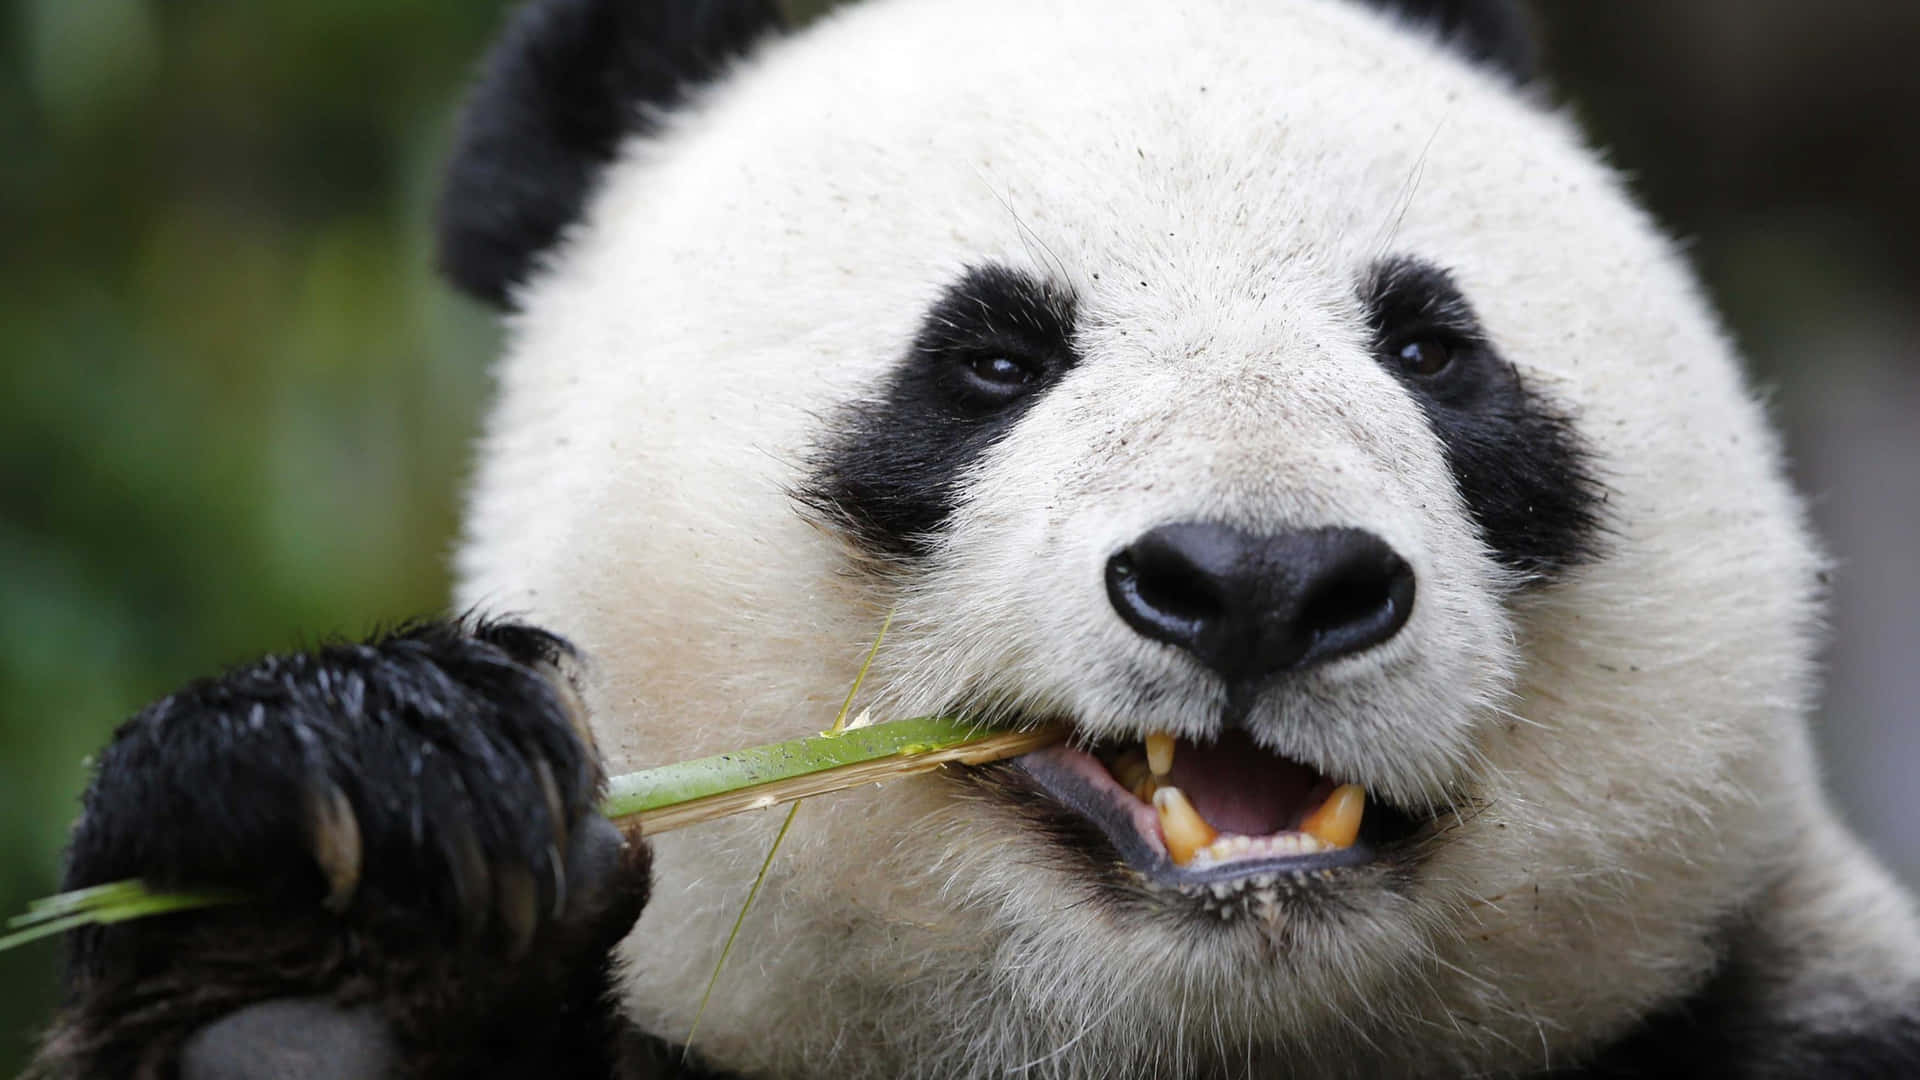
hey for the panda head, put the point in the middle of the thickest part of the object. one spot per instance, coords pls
(1279, 375)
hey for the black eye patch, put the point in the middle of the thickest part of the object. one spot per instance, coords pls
(1518, 460)
(989, 347)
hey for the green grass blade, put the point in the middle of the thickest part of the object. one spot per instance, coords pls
(739, 920)
(162, 903)
(114, 902)
(70, 903)
(44, 929)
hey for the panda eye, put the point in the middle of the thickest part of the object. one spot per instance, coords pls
(996, 376)
(1425, 357)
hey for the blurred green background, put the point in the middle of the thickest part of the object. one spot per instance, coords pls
(235, 401)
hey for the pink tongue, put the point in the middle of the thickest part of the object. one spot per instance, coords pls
(1240, 788)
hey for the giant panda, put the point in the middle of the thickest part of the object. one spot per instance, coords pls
(1279, 381)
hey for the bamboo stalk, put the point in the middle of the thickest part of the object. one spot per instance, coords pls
(675, 796)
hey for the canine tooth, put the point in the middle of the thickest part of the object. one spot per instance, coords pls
(1181, 826)
(1160, 753)
(1337, 822)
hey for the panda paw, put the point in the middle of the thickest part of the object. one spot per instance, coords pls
(411, 821)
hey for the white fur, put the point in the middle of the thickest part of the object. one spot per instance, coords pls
(1211, 179)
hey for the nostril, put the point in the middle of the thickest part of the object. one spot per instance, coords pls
(1345, 602)
(1358, 604)
(1160, 595)
(1172, 585)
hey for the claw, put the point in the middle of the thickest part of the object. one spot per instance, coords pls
(559, 866)
(336, 841)
(472, 882)
(515, 898)
(570, 700)
(556, 808)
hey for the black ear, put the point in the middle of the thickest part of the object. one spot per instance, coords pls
(565, 84)
(1493, 33)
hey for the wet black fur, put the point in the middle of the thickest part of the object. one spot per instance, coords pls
(1518, 460)
(454, 714)
(567, 82)
(433, 734)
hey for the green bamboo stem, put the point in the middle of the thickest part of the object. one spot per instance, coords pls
(673, 796)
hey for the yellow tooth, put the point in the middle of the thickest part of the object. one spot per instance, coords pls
(1337, 821)
(1145, 788)
(1160, 753)
(1181, 826)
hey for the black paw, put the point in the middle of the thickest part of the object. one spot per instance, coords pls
(436, 770)
(412, 821)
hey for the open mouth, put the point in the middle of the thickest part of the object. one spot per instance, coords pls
(1217, 813)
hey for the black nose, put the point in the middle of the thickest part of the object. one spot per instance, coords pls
(1250, 606)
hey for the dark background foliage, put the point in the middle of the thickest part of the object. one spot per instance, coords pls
(235, 402)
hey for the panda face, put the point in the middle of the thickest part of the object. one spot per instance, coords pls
(1252, 372)
(1143, 537)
